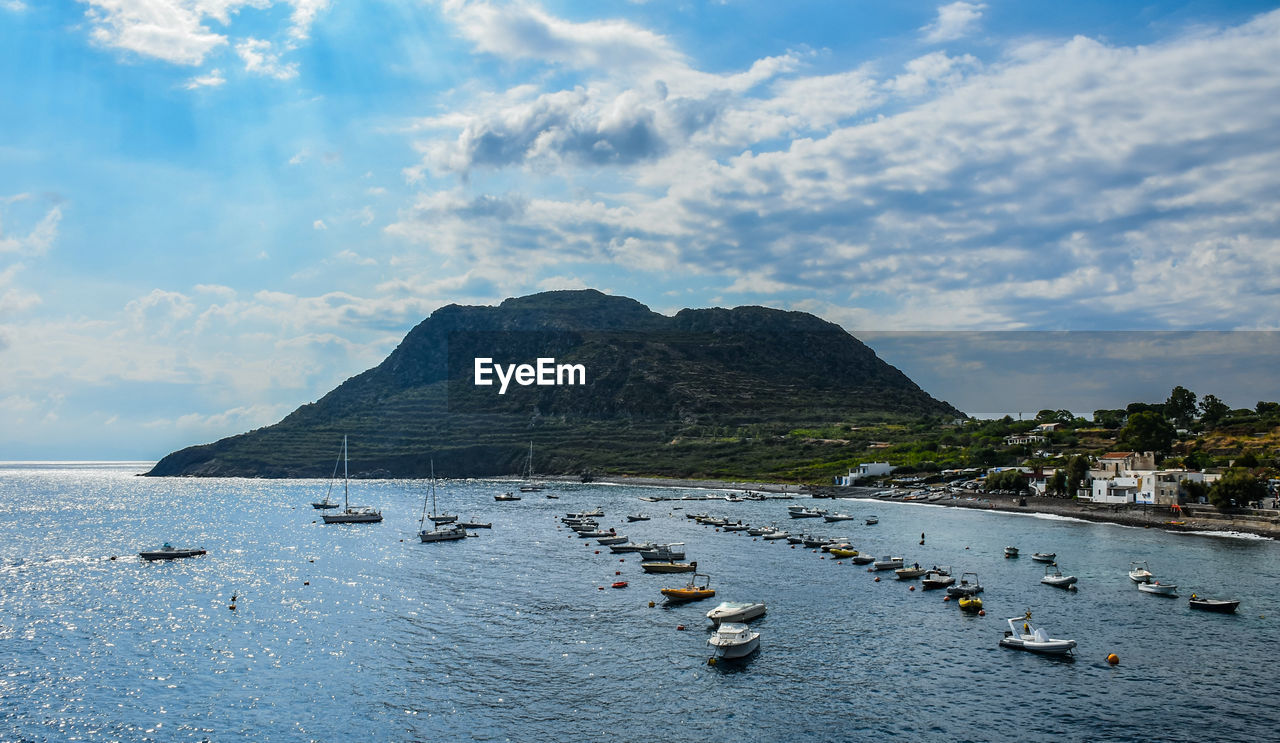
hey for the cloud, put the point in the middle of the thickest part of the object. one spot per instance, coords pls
(954, 21)
(319, 225)
(211, 80)
(261, 60)
(1064, 183)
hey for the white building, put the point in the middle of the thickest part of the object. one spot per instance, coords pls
(866, 469)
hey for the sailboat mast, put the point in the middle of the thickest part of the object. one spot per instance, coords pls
(345, 503)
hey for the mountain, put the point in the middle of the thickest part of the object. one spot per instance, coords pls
(707, 392)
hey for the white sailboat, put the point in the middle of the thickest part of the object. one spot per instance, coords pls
(351, 514)
(529, 485)
(444, 531)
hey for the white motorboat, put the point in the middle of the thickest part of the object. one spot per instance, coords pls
(664, 552)
(775, 534)
(907, 573)
(350, 514)
(631, 547)
(1139, 572)
(736, 527)
(837, 517)
(734, 640)
(637, 517)
(887, 563)
(758, 531)
(1022, 635)
(872, 520)
(1053, 577)
(1157, 588)
(1010, 551)
(1044, 556)
(862, 559)
(937, 577)
(736, 611)
(613, 539)
(806, 513)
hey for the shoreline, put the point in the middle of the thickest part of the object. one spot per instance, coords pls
(1202, 519)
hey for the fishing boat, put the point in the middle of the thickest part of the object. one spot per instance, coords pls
(631, 547)
(1156, 588)
(837, 517)
(507, 496)
(971, 604)
(637, 517)
(350, 514)
(1139, 572)
(1044, 556)
(444, 532)
(736, 611)
(907, 573)
(475, 524)
(169, 552)
(1215, 605)
(529, 486)
(872, 520)
(668, 566)
(968, 586)
(692, 591)
(1022, 635)
(1053, 577)
(887, 563)
(733, 640)
(1010, 551)
(937, 577)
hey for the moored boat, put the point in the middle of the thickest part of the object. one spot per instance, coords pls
(656, 566)
(1053, 577)
(1044, 556)
(169, 552)
(937, 577)
(1156, 588)
(1010, 551)
(971, 604)
(1022, 635)
(350, 514)
(475, 524)
(872, 520)
(862, 558)
(668, 552)
(1215, 605)
(968, 586)
(1139, 572)
(692, 591)
(887, 563)
(637, 517)
(843, 552)
(736, 611)
(837, 517)
(507, 496)
(631, 547)
(909, 572)
(733, 640)
(613, 539)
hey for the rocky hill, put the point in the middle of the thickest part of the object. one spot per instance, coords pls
(706, 392)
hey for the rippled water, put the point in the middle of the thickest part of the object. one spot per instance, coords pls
(359, 632)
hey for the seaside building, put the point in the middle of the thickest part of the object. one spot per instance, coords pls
(864, 470)
(1132, 477)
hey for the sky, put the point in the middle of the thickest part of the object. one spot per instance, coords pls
(214, 211)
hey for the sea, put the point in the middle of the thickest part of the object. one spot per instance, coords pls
(361, 632)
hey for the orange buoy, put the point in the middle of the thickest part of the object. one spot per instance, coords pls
(680, 626)
(620, 584)
(617, 572)
(982, 612)
(1113, 659)
(911, 588)
(945, 599)
(597, 552)
(877, 579)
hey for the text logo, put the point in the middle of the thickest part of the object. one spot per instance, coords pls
(545, 373)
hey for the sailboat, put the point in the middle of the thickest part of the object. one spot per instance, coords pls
(350, 514)
(442, 533)
(529, 485)
(328, 501)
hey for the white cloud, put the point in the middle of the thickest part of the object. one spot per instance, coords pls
(213, 79)
(259, 59)
(319, 225)
(954, 21)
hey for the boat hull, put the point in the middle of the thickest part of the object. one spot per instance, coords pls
(688, 594)
(737, 650)
(735, 613)
(1159, 589)
(1220, 607)
(668, 567)
(170, 554)
(351, 518)
(442, 536)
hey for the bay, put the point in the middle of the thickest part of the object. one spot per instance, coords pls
(345, 632)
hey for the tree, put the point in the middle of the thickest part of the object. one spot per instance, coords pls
(1212, 409)
(1248, 460)
(1006, 480)
(1181, 405)
(1058, 484)
(1265, 409)
(1109, 418)
(1077, 471)
(1147, 431)
(1047, 416)
(1195, 490)
(1197, 460)
(1237, 488)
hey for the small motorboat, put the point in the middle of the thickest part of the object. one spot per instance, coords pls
(733, 640)
(795, 539)
(887, 563)
(805, 513)
(843, 552)
(476, 524)
(759, 531)
(736, 611)
(1010, 551)
(620, 584)
(1139, 572)
(736, 527)
(1216, 605)
(1156, 588)
(816, 542)
(660, 552)
(597, 534)
(324, 504)
(837, 517)
(631, 547)
(1053, 577)
(968, 586)
(169, 552)
(907, 573)
(656, 566)
(443, 533)
(937, 577)
(637, 517)
(970, 604)
(872, 520)
(862, 559)
(692, 591)
(1022, 635)
(506, 496)
(1044, 556)
(614, 539)
(552, 497)
(775, 534)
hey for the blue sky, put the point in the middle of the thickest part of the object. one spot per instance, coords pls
(213, 211)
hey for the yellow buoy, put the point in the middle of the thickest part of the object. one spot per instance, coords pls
(1113, 659)
(651, 604)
